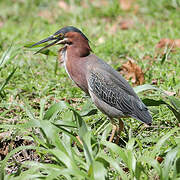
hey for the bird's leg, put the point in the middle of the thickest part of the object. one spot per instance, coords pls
(78, 138)
(114, 128)
(120, 129)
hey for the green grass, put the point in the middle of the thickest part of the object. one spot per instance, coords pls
(33, 89)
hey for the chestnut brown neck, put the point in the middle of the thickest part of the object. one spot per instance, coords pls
(78, 45)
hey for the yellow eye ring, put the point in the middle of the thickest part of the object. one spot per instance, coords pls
(61, 34)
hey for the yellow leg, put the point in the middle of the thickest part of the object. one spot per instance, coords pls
(78, 138)
(113, 133)
(120, 129)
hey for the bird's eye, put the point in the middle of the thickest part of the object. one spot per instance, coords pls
(61, 34)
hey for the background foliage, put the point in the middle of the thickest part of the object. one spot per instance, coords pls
(42, 113)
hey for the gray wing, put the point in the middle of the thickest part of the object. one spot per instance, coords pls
(113, 89)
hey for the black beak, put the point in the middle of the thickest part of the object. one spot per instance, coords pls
(51, 38)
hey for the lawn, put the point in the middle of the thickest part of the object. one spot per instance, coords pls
(42, 112)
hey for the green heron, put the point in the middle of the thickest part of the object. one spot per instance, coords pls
(109, 91)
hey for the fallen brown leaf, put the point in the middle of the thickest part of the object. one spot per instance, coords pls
(46, 15)
(3, 151)
(159, 159)
(136, 8)
(63, 5)
(154, 81)
(126, 24)
(132, 71)
(120, 23)
(169, 43)
(112, 29)
(126, 169)
(126, 4)
(169, 93)
(1, 23)
(147, 58)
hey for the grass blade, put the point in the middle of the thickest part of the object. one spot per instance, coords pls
(7, 80)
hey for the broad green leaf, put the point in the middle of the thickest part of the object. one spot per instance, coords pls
(139, 169)
(85, 137)
(176, 113)
(168, 161)
(106, 131)
(49, 131)
(130, 144)
(52, 134)
(27, 109)
(152, 102)
(144, 87)
(61, 123)
(89, 112)
(152, 162)
(69, 162)
(162, 141)
(81, 125)
(178, 166)
(116, 149)
(88, 109)
(42, 107)
(175, 102)
(113, 163)
(69, 133)
(131, 162)
(68, 116)
(51, 171)
(52, 112)
(99, 172)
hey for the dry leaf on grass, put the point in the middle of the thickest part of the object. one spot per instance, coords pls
(159, 159)
(154, 81)
(112, 29)
(132, 72)
(126, 4)
(169, 93)
(147, 57)
(120, 23)
(63, 5)
(169, 43)
(1, 23)
(126, 24)
(46, 15)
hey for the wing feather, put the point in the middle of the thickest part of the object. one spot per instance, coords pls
(113, 92)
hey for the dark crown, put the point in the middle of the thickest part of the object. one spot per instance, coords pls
(67, 29)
